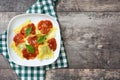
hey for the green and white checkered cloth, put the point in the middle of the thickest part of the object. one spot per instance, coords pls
(35, 73)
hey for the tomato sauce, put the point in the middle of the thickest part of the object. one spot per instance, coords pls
(52, 44)
(44, 26)
(23, 30)
(28, 55)
(32, 40)
(19, 38)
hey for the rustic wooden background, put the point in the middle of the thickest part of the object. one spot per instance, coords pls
(91, 32)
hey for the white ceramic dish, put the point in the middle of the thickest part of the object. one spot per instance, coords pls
(35, 18)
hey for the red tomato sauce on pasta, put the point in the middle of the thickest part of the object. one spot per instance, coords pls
(28, 55)
(23, 30)
(52, 44)
(19, 38)
(44, 26)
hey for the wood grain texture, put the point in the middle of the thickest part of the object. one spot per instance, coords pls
(23, 5)
(15, 5)
(8, 74)
(88, 5)
(83, 74)
(67, 5)
(98, 5)
(91, 39)
(63, 5)
(4, 63)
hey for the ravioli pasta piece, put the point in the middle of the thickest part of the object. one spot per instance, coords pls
(38, 31)
(17, 30)
(51, 34)
(21, 46)
(25, 39)
(17, 49)
(44, 52)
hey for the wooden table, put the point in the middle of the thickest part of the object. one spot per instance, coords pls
(91, 32)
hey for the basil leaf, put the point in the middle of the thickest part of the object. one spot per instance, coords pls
(28, 30)
(41, 39)
(30, 48)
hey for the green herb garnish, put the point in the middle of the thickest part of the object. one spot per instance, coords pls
(28, 30)
(41, 39)
(30, 48)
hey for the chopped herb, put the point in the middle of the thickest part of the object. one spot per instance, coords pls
(41, 39)
(30, 48)
(28, 30)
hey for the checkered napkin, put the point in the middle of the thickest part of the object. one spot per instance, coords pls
(35, 73)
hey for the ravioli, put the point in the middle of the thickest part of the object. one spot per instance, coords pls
(51, 34)
(34, 44)
(44, 52)
(17, 49)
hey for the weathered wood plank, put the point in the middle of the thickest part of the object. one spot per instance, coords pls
(8, 74)
(15, 5)
(89, 5)
(91, 39)
(3, 63)
(99, 5)
(67, 5)
(83, 74)
(63, 5)
(23, 5)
